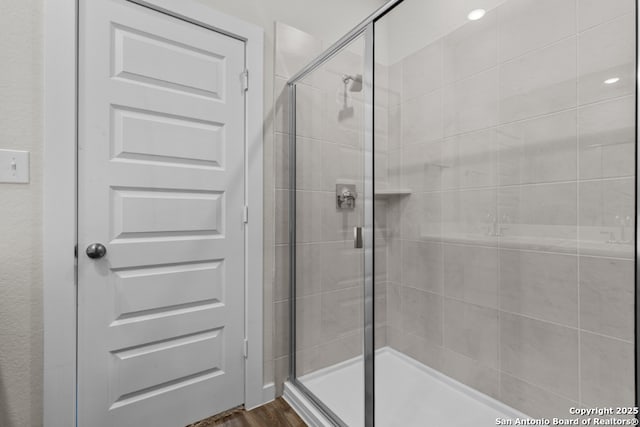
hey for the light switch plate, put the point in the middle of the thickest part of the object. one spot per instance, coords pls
(14, 166)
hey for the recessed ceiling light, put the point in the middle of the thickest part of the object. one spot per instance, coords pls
(612, 80)
(476, 14)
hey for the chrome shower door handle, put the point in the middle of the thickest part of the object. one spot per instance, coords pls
(357, 237)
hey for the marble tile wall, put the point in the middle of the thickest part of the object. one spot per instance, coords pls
(510, 266)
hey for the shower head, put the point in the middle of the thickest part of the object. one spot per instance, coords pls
(347, 111)
(356, 82)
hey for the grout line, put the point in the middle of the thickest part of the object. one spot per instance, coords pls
(399, 179)
(497, 196)
(608, 21)
(578, 206)
(538, 49)
(513, 313)
(499, 308)
(440, 184)
(568, 252)
(543, 388)
(528, 317)
(525, 184)
(499, 125)
(453, 190)
(324, 292)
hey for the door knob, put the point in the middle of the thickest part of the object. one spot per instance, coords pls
(96, 250)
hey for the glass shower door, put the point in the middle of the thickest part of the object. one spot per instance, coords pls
(330, 197)
(509, 176)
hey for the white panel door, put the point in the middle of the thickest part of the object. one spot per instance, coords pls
(161, 187)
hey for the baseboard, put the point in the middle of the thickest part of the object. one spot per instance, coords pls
(268, 392)
(268, 395)
(303, 407)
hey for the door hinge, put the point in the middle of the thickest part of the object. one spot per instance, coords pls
(75, 251)
(245, 214)
(245, 80)
(245, 348)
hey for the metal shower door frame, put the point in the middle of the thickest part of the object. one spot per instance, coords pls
(366, 28)
(637, 220)
(368, 232)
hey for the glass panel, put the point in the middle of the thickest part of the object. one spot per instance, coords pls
(329, 205)
(505, 174)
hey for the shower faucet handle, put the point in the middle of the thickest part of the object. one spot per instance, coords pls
(346, 196)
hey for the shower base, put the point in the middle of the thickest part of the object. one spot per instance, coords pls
(408, 394)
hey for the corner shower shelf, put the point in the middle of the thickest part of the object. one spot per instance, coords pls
(392, 192)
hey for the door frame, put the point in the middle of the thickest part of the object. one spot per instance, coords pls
(60, 198)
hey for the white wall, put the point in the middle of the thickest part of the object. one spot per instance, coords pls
(20, 215)
(21, 97)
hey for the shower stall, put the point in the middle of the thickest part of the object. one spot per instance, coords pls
(462, 216)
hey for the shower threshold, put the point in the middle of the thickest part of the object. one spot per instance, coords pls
(408, 393)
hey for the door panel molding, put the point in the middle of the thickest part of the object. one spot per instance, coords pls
(148, 368)
(60, 202)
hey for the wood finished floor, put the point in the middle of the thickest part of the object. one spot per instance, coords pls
(275, 414)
